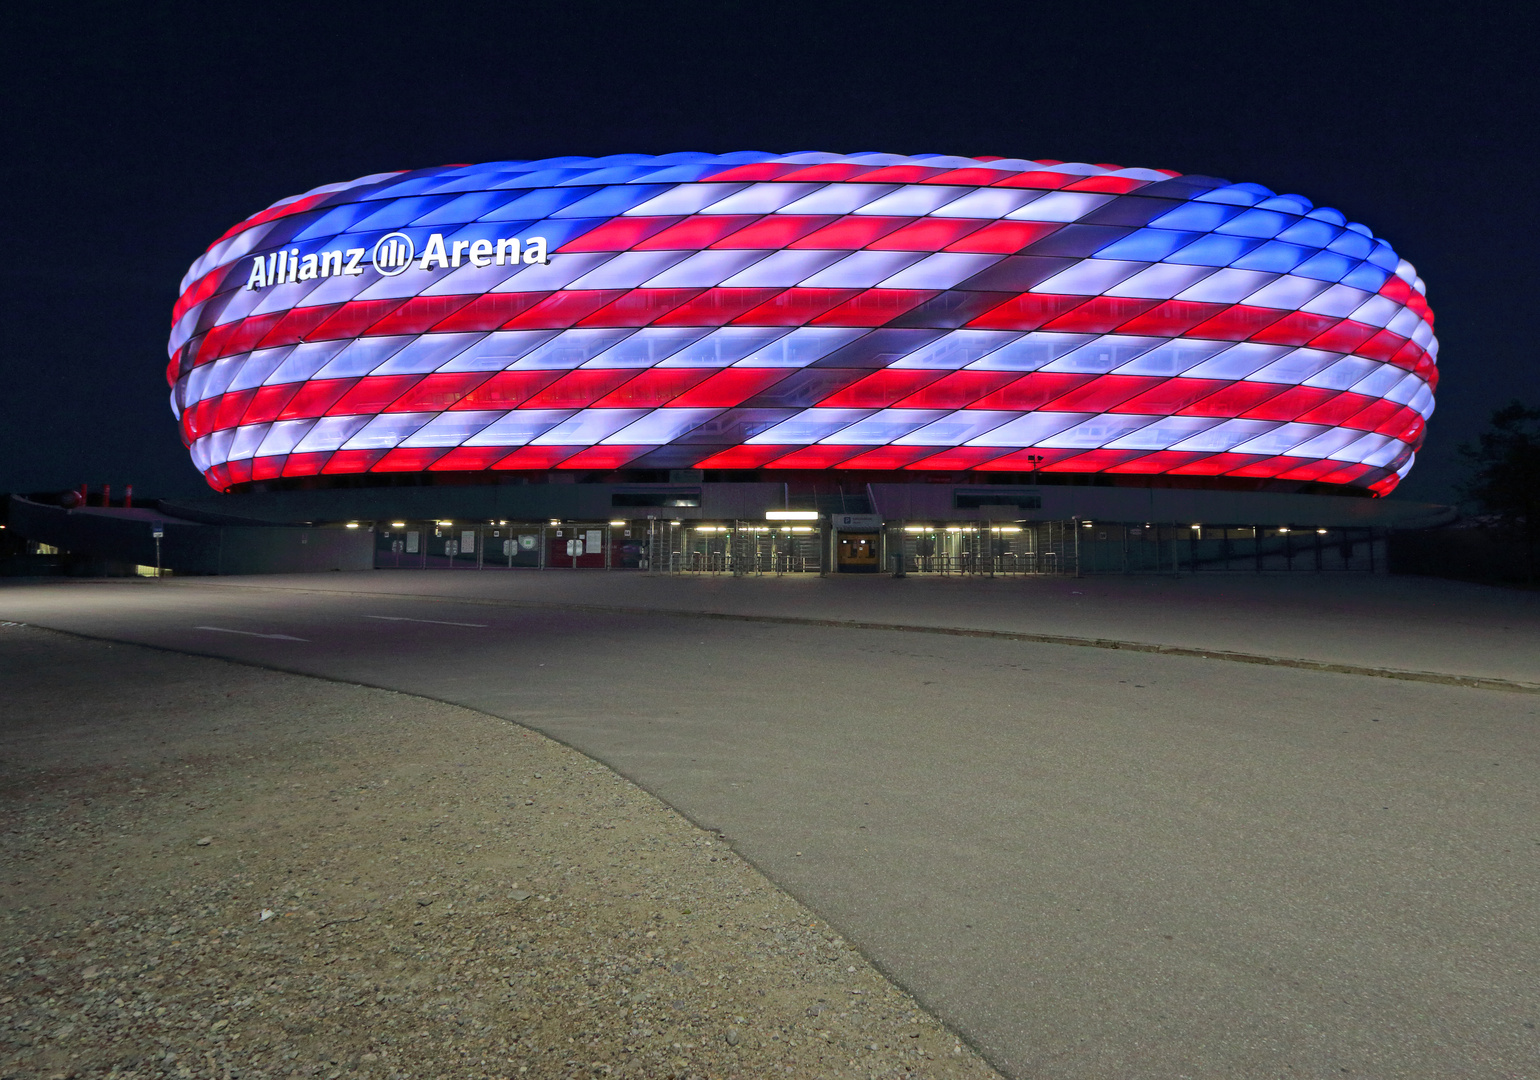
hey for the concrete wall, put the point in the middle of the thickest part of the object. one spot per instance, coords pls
(911, 501)
(1162, 506)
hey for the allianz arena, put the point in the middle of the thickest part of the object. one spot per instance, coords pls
(760, 317)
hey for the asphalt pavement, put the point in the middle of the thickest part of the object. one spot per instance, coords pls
(1364, 620)
(1089, 861)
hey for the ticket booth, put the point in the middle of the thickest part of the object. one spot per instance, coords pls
(857, 543)
(859, 552)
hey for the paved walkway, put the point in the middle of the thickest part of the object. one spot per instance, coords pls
(1092, 862)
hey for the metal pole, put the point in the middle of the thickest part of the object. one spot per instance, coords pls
(157, 557)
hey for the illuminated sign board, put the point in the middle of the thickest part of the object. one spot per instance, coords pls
(393, 254)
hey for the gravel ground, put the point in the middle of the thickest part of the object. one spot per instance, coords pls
(208, 870)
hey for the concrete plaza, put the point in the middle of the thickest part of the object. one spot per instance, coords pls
(1089, 861)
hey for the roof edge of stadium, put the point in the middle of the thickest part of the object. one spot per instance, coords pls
(742, 157)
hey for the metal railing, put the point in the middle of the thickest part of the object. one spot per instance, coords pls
(987, 549)
(744, 550)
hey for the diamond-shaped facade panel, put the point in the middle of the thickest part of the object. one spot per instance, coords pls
(802, 312)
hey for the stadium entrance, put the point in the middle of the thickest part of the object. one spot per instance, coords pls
(866, 544)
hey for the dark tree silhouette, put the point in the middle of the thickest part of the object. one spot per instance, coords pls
(1505, 474)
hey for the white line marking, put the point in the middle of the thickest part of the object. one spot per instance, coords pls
(249, 633)
(435, 622)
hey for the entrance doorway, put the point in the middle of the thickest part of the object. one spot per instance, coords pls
(858, 553)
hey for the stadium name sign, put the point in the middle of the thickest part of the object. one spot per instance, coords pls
(393, 254)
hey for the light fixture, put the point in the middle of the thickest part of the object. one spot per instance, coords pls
(801, 529)
(446, 523)
(673, 523)
(1010, 528)
(915, 528)
(1322, 532)
(556, 521)
(352, 525)
(617, 524)
(1284, 529)
(398, 524)
(791, 515)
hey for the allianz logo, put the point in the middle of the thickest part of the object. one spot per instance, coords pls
(393, 254)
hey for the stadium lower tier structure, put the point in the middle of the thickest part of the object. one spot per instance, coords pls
(739, 528)
(862, 543)
(770, 528)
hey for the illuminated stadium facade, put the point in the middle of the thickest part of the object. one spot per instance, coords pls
(752, 362)
(804, 318)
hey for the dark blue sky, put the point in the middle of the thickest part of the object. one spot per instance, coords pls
(133, 140)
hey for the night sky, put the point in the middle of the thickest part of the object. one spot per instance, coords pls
(132, 141)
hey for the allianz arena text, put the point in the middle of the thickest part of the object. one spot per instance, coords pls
(754, 315)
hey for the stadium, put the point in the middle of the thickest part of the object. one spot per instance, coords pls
(920, 345)
(770, 315)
